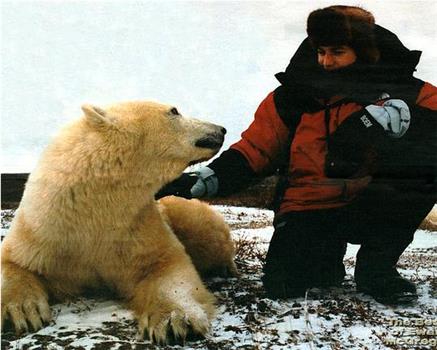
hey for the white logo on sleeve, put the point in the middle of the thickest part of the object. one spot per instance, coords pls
(366, 121)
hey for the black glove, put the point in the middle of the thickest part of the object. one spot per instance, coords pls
(180, 187)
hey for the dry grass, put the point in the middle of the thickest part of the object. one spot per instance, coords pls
(248, 248)
(259, 195)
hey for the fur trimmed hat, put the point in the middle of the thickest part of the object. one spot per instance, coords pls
(344, 25)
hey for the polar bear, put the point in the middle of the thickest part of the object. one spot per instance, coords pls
(88, 220)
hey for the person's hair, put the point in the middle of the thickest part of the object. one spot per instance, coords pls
(344, 25)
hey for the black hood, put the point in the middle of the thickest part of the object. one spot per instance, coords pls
(392, 74)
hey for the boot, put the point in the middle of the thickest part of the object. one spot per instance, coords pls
(388, 288)
(376, 274)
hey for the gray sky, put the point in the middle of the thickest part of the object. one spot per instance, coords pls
(214, 60)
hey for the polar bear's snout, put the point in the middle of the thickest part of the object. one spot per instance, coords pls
(212, 140)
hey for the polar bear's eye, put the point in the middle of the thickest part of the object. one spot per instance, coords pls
(174, 111)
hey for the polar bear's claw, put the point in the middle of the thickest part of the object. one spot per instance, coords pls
(171, 328)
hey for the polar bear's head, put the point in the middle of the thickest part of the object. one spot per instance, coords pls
(154, 133)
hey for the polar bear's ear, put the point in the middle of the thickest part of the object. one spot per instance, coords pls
(96, 115)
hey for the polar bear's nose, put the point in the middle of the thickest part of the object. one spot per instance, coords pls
(212, 141)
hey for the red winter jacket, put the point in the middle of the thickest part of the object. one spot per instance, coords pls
(308, 186)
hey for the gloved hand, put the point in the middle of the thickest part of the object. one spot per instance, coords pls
(394, 116)
(196, 184)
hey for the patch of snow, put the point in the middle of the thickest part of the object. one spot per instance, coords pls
(336, 318)
(424, 239)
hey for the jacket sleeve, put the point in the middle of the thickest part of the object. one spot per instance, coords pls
(427, 97)
(359, 141)
(256, 153)
(265, 139)
(415, 156)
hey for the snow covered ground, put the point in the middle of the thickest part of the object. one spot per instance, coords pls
(334, 319)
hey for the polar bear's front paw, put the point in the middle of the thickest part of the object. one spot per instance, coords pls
(164, 328)
(24, 311)
(24, 299)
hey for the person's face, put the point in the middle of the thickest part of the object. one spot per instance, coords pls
(335, 57)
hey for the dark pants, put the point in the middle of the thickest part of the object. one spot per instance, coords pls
(307, 247)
